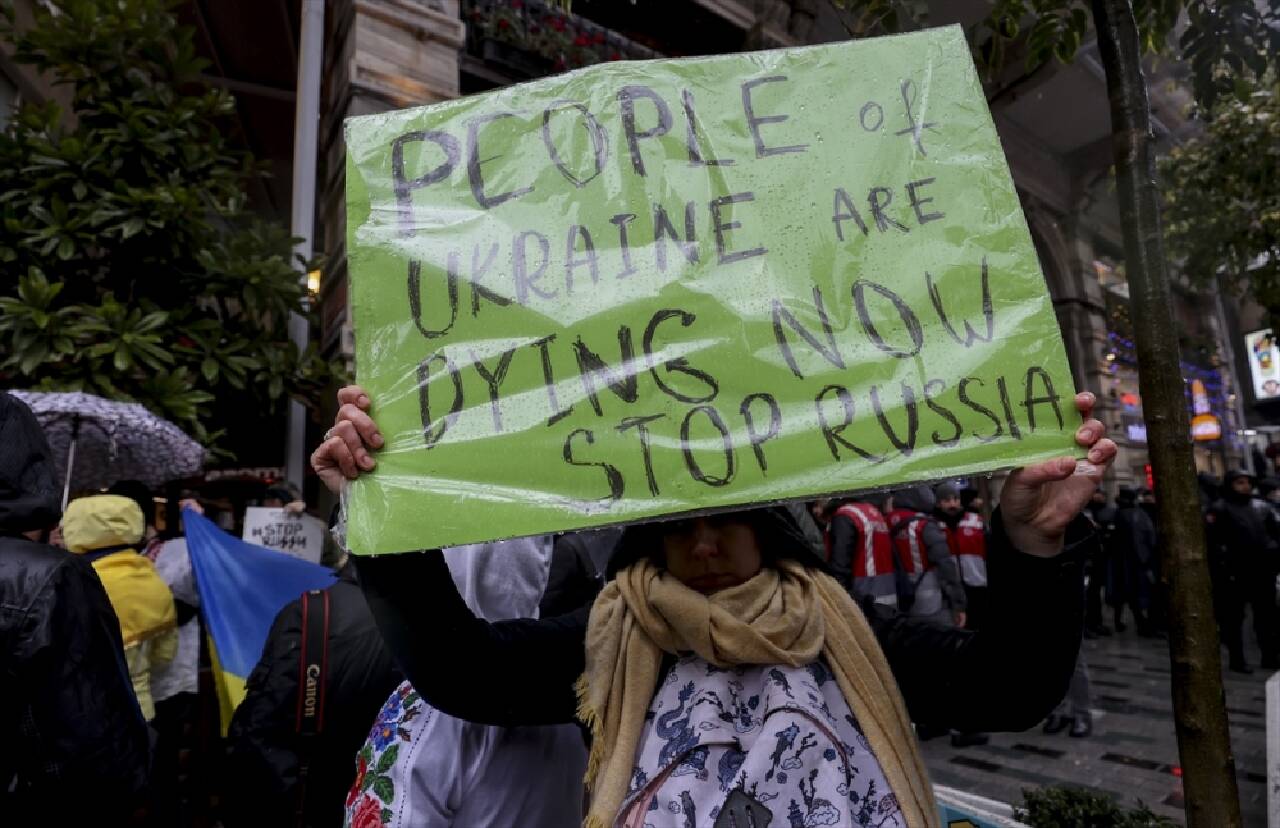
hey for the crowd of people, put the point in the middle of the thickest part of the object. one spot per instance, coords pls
(101, 641)
(764, 663)
(1241, 516)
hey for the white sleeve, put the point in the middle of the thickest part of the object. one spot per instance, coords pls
(173, 563)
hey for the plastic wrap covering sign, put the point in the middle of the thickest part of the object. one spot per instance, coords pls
(656, 287)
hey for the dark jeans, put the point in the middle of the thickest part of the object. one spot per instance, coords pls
(976, 603)
(169, 797)
(1078, 699)
(1257, 590)
(1093, 597)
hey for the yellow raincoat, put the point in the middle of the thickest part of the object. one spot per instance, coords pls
(109, 529)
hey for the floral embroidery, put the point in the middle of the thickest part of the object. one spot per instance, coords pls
(373, 793)
(362, 768)
(755, 745)
(368, 814)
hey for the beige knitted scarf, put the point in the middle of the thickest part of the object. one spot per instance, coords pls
(788, 615)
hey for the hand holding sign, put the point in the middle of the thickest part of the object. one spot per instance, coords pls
(342, 455)
(1039, 501)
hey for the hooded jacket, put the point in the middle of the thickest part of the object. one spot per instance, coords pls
(932, 586)
(71, 735)
(107, 530)
(1243, 532)
(860, 551)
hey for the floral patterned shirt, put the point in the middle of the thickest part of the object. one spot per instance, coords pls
(755, 745)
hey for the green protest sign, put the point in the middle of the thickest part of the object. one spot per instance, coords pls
(657, 287)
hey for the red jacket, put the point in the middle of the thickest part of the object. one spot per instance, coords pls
(874, 552)
(913, 551)
(968, 542)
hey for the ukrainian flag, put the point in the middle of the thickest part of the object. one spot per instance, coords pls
(242, 586)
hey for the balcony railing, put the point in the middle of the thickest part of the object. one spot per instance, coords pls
(526, 38)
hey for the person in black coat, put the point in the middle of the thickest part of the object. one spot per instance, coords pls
(1008, 676)
(1097, 565)
(1132, 541)
(74, 748)
(1243, 550)
(265, 751)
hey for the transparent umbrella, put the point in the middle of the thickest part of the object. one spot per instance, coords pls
(96, 441)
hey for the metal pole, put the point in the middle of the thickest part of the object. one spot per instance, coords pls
(71, 461)
(306, 127)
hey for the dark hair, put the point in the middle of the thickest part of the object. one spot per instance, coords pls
(776, 533)
(283, 492)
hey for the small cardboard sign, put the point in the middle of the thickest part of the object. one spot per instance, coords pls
(301, 536)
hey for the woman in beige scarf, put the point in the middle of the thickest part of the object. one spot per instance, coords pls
(725, 677)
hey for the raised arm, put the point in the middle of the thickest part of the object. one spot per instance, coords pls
(518, 672)
(1015, 670)
(1012, 673)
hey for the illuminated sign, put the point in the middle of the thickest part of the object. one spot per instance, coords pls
(1204, 425)
(1264, 364)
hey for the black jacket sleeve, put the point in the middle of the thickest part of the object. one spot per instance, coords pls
(1006, 677)
(518, 672)
(1015, 670)
(844, 539)
(83, 731)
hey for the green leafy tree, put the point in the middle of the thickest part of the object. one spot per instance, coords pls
(131, 265)
(1222, 199)
(1223, 43)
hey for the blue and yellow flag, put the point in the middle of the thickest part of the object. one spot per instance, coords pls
(242, 587)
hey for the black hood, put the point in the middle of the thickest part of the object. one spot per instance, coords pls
(777, 534)
(1229, 492)
(1234, 475)
(29, 494)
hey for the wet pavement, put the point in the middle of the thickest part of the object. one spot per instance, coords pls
(1132, 754)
